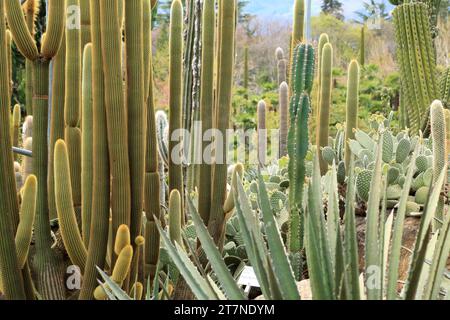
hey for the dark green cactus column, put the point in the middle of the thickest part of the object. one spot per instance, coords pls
(362, 47)
(222, 112)
(72, 101)
(206, 103)
(86, 146)
(56, 118)
(11, 278)
(98, 240)
(352, 108)
(299, 18)
(116, 114)
(325, 103)
(175, 99)
(137, 124)
(152, 179)
(417, 61)
(31, 10)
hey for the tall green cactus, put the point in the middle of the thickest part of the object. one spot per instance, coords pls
(31, 9)
(417, 61)
(99, 228)
(440, 153)
(15, 128)
(206, 104)
(11, 278)
(116, 113)
(47, 263)
(298, 25)
(325, 103)
(302, 75)
(175, 99)
(281, 66)
(227, 14)
(444, 87)
(137, 124)
(323, 40)
(86, 145)
(9, 61)
(72, 100)
(152, 177)
(175, 217)
(262, 133)
(362, 47)
(284, 109)
(351, 108)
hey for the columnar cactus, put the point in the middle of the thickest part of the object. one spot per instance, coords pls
(283, 98)
(9, 61)
(444, 87)
(110, 28)
(206, 104)
(351, 108)
(223, 109)
(136, 97)
(49, 282)
(362, 47)
(175, 217)
(101, 175)
(323, 40)
(16, 127)
(325, 102)
(417, 61)
(11, 279)
(262, 134)
(31, 9)
(281, 66)
(72, 100)
(299, 17)
(152, 177)
(87, 145)
(175, 99)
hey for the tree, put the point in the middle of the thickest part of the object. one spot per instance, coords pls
(372, 9)
(334, 8)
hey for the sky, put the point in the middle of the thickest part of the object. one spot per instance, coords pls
(280, 9)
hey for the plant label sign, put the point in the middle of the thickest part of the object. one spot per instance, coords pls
(248, 278)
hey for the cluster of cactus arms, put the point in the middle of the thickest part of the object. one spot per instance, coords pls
(416, 57)
(302, 75)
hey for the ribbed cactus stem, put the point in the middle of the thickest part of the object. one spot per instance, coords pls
(227, 12)
(27, 214)
(325, 103)
(362, 47)
(323, 40)
(116, 113)
(72, 101)
(281, 65)
(9, 61)
(86, 145)
(175, 217)
(85, 23)
(283, 98)
(298, 26)
(262, 134)
(206, 103)
(64, 204)
(16, 128)
(99, 228)
(136, 97)
(11, 279)
(31, 9)
(351, 108)
(175, 99)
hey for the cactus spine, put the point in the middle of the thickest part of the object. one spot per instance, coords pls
(325, 103)
(283, 97)
(206, 103)
(86, 145)
(417, 60)
(227, 14)
(175, 99)
(262, 134)
(11, 278)
(116, 113)
(351, 108)
(101, 176)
